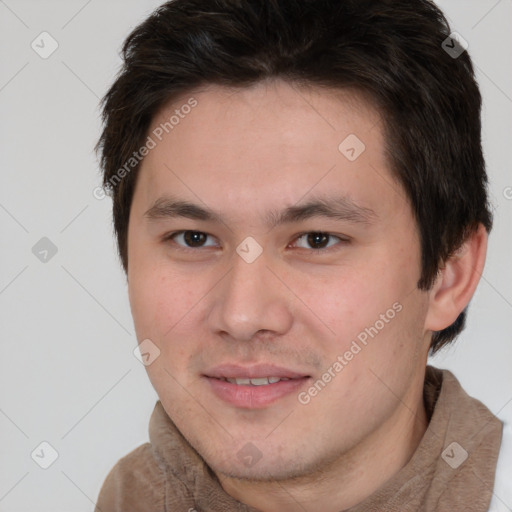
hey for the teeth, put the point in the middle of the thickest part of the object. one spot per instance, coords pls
(260, 382)
(256, 382)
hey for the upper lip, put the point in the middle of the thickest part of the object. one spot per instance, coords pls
(233, 371)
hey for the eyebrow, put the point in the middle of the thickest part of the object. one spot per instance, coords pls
(339, 208)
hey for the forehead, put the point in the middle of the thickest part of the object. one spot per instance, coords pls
(273, 140)
(269, 104)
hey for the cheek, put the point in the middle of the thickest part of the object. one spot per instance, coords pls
(162, 304)
(348, 300)
(375, 316)
(160, 300)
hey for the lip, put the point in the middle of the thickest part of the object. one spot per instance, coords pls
(249, 396)
(233, 371)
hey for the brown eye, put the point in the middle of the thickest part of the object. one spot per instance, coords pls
(194, 238)
(316, 240)
(191, 239)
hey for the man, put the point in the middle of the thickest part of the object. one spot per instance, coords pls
(300, 204)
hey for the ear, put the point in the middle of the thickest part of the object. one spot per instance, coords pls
(457, 282)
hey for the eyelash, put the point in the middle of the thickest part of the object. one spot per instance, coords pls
(171, 236)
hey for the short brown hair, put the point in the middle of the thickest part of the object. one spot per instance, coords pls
(391, 50)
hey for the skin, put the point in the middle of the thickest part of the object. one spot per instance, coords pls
(243, 153)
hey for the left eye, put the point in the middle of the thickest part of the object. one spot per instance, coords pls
(316, 240)
(191, 239)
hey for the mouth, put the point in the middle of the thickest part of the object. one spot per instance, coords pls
(262, 381)
(254, 387)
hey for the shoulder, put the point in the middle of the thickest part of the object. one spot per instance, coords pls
(135, 483)
(502, 492)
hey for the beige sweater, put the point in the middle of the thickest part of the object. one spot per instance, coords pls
(168, 475)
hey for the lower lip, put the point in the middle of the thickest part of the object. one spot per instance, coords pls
(254, 397)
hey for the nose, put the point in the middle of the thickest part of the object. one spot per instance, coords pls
(251, 299)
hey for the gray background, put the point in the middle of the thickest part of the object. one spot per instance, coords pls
(68, 375)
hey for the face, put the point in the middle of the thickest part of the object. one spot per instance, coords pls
(265, 241)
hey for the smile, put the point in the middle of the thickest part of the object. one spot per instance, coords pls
(263, 381)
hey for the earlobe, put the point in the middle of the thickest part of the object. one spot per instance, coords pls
(457, 282)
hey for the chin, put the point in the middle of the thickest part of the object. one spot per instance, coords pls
(260, 472)
(256, 461)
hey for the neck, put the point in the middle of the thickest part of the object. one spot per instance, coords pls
(352, 477)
